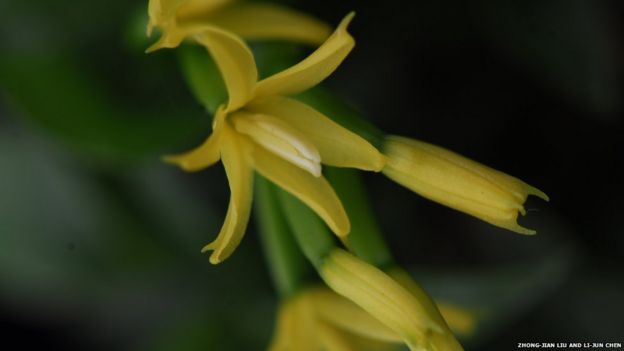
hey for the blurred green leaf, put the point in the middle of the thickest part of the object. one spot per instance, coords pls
(59, 96)
(119, 253)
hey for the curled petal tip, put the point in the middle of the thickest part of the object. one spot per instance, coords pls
(214, 257)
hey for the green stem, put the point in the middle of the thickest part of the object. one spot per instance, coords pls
(365, 238)
(287, 264)
(313, 237)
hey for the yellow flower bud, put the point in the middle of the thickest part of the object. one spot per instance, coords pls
(388, 301)
(457, 182)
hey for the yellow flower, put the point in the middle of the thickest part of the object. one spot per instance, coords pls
(177, 19)
(412, 316)
(283, 139)
(457, 182)
(319, 319)
(458, 319)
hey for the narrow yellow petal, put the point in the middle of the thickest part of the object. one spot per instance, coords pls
(199, 158)
(204, 155)
(382, 297)
(280, 138)
(457, 182)
(269, 21)
(312, 70)
(337, 145)
(346, 315)
(459, 319)
(239, 175)
(235, 61)
(194, 12)
(313, 191)
(169, 39)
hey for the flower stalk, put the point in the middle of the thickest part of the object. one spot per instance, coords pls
(289, 269)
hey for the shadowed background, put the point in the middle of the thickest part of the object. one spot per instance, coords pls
(99, 241)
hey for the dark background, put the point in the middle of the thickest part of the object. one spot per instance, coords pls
(533, 88)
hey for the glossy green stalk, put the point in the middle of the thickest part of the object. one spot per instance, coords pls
(313, 236)
(365, 238)
(288, 266)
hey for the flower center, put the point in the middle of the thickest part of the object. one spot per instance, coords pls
(280, 138)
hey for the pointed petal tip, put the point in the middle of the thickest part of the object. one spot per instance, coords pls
(153, 48)
(177, 160)
(170, 159)
(536, 192)
(522, 230)
(347, 20)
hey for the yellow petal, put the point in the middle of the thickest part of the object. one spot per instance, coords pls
(178, 19)
(161, 12)
(313, 191)
(459, 319)
(239, 174)
(236, 63)
(382, 297)
(346, 315)
(457, 182)
(280, 138)
(332, 339)
(204, 155)
(269, 21)
(444, 340)
(337, 145)
(312, 70)
(296, 327)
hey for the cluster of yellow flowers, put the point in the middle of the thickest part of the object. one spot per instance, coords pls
(262, 128)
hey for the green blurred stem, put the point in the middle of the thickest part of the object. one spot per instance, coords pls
(313, 237)
(287, 264)
(365, 238)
